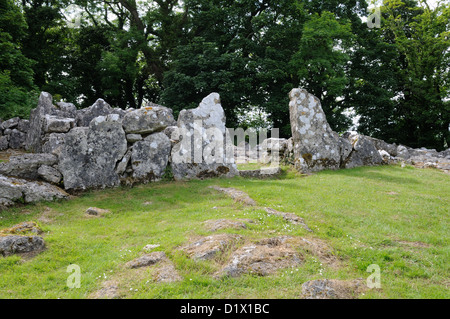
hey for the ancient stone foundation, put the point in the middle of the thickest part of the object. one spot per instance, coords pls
(101, 146)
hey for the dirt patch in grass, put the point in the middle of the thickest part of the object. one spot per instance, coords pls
(220, 224)
(413, 244)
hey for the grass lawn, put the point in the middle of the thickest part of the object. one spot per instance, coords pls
(397, 218)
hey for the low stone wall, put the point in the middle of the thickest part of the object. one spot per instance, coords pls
(13, 133)
(101, 147)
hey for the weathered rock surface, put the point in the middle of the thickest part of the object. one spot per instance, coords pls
(332, 289)
(38, 120)
(22, 229)
(149, 158)
(364, 152)
(89, 155)
(206, 150)
(99, 108)
(54, 124)
(266, 172)
(147, 260)
(269, 255)
(10, 245)
(237, 195)
(27, 165)
(209, 247)
(148, 120)
(316, 146)
(53, 144)
(262, 258)
(13, 190)
(49, 174)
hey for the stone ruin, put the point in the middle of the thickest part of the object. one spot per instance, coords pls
(100, 146)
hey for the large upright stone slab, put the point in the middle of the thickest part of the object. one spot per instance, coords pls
(205, 149)
(316, 146)
(89, 155)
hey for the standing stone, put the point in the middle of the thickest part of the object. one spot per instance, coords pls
(205, 150)
(316, 146)
(148, 120)
(89, 155)
(150, 157)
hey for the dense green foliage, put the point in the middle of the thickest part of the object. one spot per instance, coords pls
(252, 52)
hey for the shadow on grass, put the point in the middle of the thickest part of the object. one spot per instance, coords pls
(375, 173)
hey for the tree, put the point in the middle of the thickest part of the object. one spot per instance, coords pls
(411, 104)
(16, 74)
(322, 70)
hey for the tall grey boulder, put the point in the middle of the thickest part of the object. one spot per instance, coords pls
(316, 146)
(205, 149)
(89, 155)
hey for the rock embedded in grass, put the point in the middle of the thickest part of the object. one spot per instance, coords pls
(22, 229)
(262, 258)
(147, 260)
(15, 244)
(237, 195)
(215, 225)
(97, 212)
(209, 247)
(332, 289)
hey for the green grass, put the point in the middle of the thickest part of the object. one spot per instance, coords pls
(395, 217)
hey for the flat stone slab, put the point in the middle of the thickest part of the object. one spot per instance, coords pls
(147, 260)
(332, 289)
(237, 195)
(209, 247)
